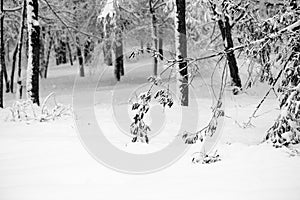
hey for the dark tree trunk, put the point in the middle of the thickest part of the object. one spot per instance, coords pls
(107, 53)
(6, 80)
(154, 36)
(42, 51)
(88, 46)
(32, 79)
(51, 42)
(233, 68)
(19, 80)
(1, 56)
(8, 51)
(13, 68)
(181, 51)
(63, 52)
(69, 51)
(80, 58)
(225, 29)
(160, 48)
(142, 46)
(119, 57)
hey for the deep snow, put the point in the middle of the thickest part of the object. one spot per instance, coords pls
(47, 160)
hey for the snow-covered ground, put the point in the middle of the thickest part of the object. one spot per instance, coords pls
(40, 161)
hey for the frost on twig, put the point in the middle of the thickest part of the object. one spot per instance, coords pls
(27, 111)
(204, 158)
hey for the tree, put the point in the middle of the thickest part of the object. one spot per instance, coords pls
(111, 19)
(181, 51)
(32, 76)
(2, 53)
(20, 48)
(154, 29)
(80, 57)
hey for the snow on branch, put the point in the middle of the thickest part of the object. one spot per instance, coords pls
(108, 10)
(27, 111)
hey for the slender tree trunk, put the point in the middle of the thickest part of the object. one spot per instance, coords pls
(51, 42)
(225, 29)
(13, 68)
(233, 68)
(6, 80)
(1, 56)
(142, 45)
(154, 36)
(160, 48)
(42, 51)
(181, 51)
(107, 53)
(69, 51)
(8, 51)
(20, 46)
(32, 79)
(80, 58)
(119, 57)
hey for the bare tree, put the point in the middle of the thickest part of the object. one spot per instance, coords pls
(154, 35)
(32, 78)
(181, 51)
(1, 56)
(20, 46)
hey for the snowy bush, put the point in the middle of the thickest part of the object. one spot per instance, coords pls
(207, 158)
(286, 129)
(27, 111)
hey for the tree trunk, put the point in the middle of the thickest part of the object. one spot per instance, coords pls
(8, 51)
(70, 51)
(142, 46)
(6, 80)
(80, 58)
(32, 78)
(51, 42)
(181, 51)
(13, 68)
(233, 68)
(1, 56)
(20, 44)
(160, 48)
(107, 53)
(119, 57)
(225, 29)
(42, 51)
(154, 36)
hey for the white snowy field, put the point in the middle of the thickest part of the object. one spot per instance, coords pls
(40, 161)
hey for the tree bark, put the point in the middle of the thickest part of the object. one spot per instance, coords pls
(51, 42)
(20, 44)
(160, 48)
(32, 78)
(8, 51)
(13, 68)
(233, 68)
(1, 56)
(181, 51)
(42, 51)
(154, 36)
(69, 51)
(119, 57)
(80, 58)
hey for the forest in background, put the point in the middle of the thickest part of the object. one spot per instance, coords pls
(264, 33)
